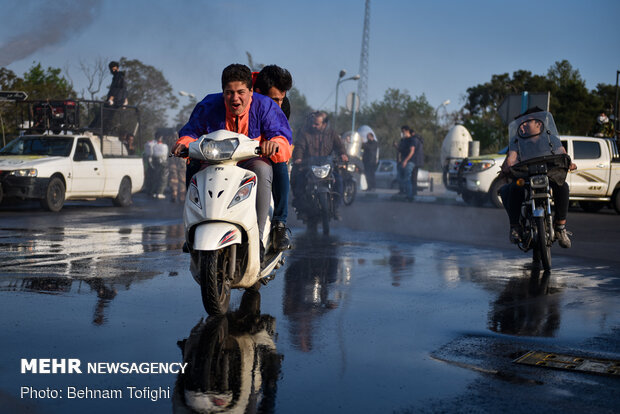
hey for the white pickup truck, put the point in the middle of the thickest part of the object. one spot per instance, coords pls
(595, 183)
(55, 168)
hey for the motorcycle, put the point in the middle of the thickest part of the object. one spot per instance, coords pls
(351, 174)
(316, 203)
(220, 221)
(536, 218)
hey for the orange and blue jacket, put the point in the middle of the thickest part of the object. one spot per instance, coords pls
(262, 120)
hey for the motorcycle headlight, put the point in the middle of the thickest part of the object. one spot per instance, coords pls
(31, 172)
(193, 195)
(321, 171)
(243, 192)
(539, 181)
(351, 167)
(219, 150)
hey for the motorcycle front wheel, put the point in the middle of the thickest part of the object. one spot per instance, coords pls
(542, 246)
(326, 210)
(215, 279)
(349, 192)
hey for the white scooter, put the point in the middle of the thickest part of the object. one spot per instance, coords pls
(220, 221)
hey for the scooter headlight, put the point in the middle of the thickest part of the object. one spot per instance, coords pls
(321, 171)
(219, 150)
(243, 192)
(193, 195)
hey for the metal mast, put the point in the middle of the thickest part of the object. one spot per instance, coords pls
(362, 85)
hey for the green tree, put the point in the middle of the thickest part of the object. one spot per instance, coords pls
(184, 113)
(41, 83)
(395, 110)
(148, 89)
(299, 110)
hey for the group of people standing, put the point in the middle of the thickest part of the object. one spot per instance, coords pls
(163, 172)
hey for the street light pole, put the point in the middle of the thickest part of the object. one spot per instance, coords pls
(616, 106)
(340, 80)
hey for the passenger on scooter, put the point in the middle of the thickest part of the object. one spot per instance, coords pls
(256, 116)
(274, 81)
(317, 140)
(529, 143)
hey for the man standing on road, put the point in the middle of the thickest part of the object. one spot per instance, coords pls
(406, 165)
(369, 158)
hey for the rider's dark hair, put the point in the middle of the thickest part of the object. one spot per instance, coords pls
(273, 76)
(113, 64)
(237, 72)
(406, 128)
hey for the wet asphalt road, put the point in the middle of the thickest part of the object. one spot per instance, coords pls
(402, 309)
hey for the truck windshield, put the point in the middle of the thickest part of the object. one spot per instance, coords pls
(48, 146)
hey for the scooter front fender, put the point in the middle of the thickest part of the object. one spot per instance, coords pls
(215, 235)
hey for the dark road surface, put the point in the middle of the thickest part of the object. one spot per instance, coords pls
(405, 308)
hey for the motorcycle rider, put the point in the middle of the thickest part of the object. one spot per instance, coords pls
(237, 109)
(317, 140)
(532, 142)
(274, 81)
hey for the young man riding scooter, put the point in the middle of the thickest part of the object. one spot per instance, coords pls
(237, 109)
(274, 81)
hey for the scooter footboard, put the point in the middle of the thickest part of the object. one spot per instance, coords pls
(216, 235)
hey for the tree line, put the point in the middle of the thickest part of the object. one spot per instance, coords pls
(574, 106)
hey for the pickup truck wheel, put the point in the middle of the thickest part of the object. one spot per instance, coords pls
(123, 199)
(54, 195)
(496, 200)
(615, 200)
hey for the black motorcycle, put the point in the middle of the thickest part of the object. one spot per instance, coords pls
(317, 200)
(536, 211)
(351, 172)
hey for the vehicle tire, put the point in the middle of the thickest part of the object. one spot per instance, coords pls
(326, 210)
(123, 199)
(542, 245)
(615, 200)
(591, 206)
(473, 199)
(54, 197)
(494, 197)
(215, 279)
(1, 194)
(349, 191)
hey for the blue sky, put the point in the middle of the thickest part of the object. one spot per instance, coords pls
(437, 48)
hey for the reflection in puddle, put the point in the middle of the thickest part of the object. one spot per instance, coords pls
(233, 365)
(65, 260)
(312, 286)
(527, 306)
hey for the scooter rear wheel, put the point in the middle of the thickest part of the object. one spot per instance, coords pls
(215, 279)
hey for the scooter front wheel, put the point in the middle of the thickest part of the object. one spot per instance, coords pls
(215, 279)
